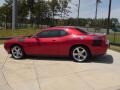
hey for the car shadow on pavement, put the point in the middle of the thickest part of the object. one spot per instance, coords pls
(106, 59)
(49, 58)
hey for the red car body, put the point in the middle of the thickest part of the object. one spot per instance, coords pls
(60, 45)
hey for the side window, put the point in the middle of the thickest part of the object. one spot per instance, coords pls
(50, 33)
(63, 33)
(55, 33)
(43, 34)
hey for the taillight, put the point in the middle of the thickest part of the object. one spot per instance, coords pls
(97, 41)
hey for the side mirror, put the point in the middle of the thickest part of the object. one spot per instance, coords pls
(35, 36)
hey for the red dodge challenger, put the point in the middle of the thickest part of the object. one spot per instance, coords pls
(59, 41)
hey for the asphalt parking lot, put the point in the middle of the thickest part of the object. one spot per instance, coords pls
(49, 73)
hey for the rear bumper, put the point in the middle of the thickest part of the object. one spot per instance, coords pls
(101, 50)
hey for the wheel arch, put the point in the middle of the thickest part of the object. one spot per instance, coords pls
(15, 44)
(72, 47)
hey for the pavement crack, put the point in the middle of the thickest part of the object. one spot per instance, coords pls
(4, 63)
(1, 69)
(6, 81)
(37, 76)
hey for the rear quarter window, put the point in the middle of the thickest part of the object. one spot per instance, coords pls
(81, 30)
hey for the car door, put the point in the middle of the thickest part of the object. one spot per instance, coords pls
(51, 42)
(48, 42)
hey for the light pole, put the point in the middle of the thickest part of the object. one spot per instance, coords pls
(109, 14)
(14, 9)
(96, 12)
(78, 11)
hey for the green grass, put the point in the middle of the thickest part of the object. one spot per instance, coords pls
(112, 39)
(30, 31)
(116, 48)
(2, 41)
(110, 36)
(18, 32)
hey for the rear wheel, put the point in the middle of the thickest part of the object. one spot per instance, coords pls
(17, 52)
(80, 54)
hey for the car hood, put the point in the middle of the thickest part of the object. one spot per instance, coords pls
(16, 39)
(21, 37)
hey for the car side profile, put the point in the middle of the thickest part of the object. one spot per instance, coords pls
(59, 41)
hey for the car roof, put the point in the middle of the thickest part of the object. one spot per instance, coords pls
(61, 27)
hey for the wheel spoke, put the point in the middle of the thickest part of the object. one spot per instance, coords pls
(17, 52)
(75, 54)
(79, 57)
(83, 51)
(78, 50)
(16, 48)
(20, 53)
(83, 56)
(79, 54)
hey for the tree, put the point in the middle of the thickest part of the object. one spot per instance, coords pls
(5, 11)
(64, 8)
(41, 11)
(54, 7)
(30, 4)
(8, 2)
(22, 11)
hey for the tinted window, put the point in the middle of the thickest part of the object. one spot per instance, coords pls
(50, 33)
(63, 33)
(81, 30)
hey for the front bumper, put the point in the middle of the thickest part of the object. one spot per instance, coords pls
(7, 48)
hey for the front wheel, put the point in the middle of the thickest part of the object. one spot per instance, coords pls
(80, 54)
(17, 52)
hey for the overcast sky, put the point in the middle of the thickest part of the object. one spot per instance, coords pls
(87, 8)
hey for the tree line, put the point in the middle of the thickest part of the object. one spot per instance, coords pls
(44, 12)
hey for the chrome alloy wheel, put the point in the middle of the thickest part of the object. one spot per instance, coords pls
(80, 54)
(17, 52)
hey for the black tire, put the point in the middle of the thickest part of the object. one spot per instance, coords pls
(80, 56)
(17, 52)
